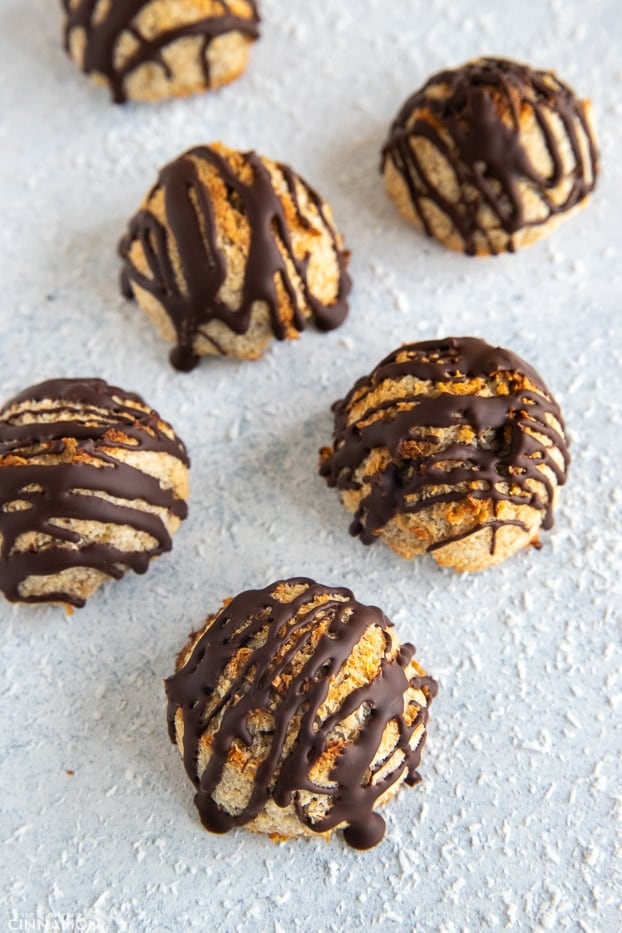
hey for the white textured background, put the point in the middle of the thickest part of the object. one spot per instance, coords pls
(514, 824)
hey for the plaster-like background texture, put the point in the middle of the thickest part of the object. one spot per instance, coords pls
(514, 824)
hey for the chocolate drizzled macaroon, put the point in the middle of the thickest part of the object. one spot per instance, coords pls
(231, 250)
(151, 49)
(449, 446)
(297, 712)
(491, 156)
(92, 483)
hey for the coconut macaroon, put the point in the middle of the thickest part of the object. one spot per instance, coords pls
(489, 157)
(298, 712)
(230, 251)
(151, 49)
(92, 483)
(449, 446)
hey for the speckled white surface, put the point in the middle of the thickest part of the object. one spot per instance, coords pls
(514, 826)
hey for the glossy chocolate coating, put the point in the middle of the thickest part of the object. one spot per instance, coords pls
(504, 470)
(191, 226)
(472, 117)
(234, 629)
(96, 419)
(102, 35)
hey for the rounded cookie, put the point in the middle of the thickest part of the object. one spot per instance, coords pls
(92, 483)
(231, 250)
(297, 712)
(449, 446)
(489, 157)
(152, 49)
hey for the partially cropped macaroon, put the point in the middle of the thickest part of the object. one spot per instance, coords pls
(152, 49)
(452, 447)
(489, 157)
(297, 712)
(92, 483)
(230, 251)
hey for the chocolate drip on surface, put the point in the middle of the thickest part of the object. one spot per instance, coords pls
(485, 151)
(283, 775)
(191, 225)
(504, 469)
(94, 419)
(102, 37)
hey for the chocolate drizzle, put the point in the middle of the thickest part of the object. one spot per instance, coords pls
(51, 458)
(472, 116)
(191, 225)
(509, 459)
(274, 675)
(102, 35)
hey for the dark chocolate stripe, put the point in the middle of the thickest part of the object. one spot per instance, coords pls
(484, 151)
(410, 484)
(191, 226)
(289, 626)
(102, 37)
(52, 490)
